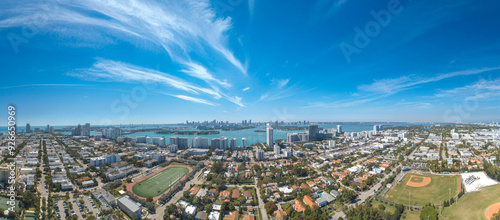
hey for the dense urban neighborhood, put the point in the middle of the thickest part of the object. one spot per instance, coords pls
(315, 173)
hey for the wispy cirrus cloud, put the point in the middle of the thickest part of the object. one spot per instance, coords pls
(387, 87)
(193, 99)
(109, 70)
(395, 85)
(198, 71)
(280, 88)
(481, 90)
(282, 82)
(180, 27)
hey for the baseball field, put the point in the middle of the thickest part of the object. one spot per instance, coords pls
(422, 189)
(159, 183)
(476, 205)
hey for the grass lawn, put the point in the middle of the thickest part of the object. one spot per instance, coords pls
(5, 206)
(412, 215)
(388, 207)
(159, 183)
(435, 192)
(473, 206)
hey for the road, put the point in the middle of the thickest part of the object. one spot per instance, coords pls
(261, 202)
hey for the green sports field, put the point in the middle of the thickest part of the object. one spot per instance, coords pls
(472, 206)
(436, 191)
(160, 182)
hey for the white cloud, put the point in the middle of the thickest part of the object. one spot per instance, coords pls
(386, 87)
(245, 89)
(193, 99)
(480, 90)
(201, 72)
(392, 86)
(279, 93)
(180, 27)
(283, 82)
(124, 72)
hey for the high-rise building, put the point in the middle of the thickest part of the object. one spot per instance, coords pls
(292, 137)
(224, 143)
(47, 129)
(277, 150)
(199, 142)
(160, 141)
(233, 143)
(144, 139)
(51, 129)
(86, 130)
(332, 143)
(215, 143)
(28, 128)
(181, 142)
(375, 130)
(244, 143)
(172, 148)
(313, 131)
(260, 154)
(270, 140)
(76, 131)
(339, 128)
(117, 132)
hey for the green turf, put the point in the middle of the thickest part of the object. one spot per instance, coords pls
(472, 206)
(389, 208)
(5, 206)
(160, 182)
(433, 193)
(411, 215)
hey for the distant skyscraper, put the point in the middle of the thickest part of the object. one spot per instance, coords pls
(77, 131)
(28, 128)
(260, 154)
(270, 140)
(277, 150)
(224, 143)
(47, 129)
(181, 142)
(51, 129)
(199, 142)
(215, 143)
(313, 131)
(339, 128)
(86, 130)
(244, 143)
(160, 141)
(233, 143)
(117, 132)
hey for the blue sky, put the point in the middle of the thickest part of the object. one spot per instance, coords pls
(111, 62)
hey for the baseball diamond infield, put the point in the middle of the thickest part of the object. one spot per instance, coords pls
(159, 182)
(423, 189)
(418, 181)
(492, 210)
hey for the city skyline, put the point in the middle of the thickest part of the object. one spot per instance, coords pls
(315, 61)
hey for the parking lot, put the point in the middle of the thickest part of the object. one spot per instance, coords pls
(88, 207)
